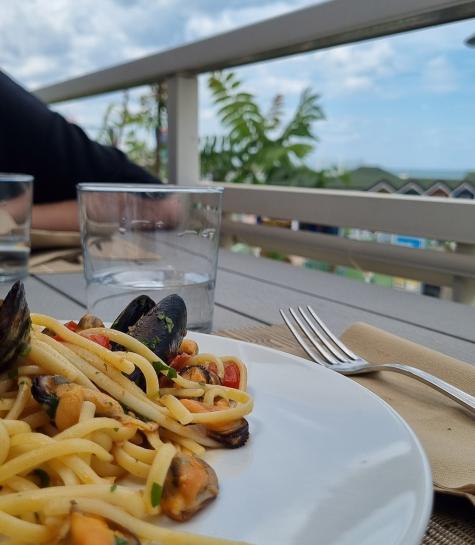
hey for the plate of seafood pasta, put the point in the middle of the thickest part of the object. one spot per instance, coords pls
(139, 432)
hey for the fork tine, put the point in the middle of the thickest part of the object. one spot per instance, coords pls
(335, 339)
(321, 349)
(339, 354)
(302, 342)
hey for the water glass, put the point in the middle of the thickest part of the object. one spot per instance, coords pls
(153, 240)
(16, 196)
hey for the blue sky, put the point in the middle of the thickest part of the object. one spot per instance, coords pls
(404, 101)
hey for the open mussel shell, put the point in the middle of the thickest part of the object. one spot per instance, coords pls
(15, 324)
(163, 327)
(234, 435)
(43, 390)
(132, 313)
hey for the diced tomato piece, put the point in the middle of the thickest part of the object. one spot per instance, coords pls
(73, 326)
(180, 361)
(100, 339)
(211, 366)
(232, 375)
(165, 382)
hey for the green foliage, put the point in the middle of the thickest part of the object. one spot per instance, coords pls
(138, 130)
(258, 147)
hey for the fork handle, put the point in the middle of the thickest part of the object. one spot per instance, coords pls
(461, 397)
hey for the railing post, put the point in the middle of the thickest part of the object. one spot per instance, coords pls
(464, 287)
(183, 145)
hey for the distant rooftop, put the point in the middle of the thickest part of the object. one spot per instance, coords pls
(367, 178)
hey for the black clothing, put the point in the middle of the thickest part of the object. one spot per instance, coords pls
(34, 140)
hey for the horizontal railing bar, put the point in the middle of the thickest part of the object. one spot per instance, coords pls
(436, 218)
(315, 27)
(426, 265)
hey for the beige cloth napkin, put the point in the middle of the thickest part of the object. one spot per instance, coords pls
(56, 261)
(446, 431)
(118, 249)
(7, 223)
(60, 251)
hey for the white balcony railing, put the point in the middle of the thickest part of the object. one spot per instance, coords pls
(316, 27)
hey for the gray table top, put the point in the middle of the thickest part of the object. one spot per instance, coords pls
(250, 291)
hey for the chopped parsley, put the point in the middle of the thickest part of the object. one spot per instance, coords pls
(151, 344)
(121, 540)
(113, 487)
(161, 367)
(168, 321)
(43, 477)
(155, 494)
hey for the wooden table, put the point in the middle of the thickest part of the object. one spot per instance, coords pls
(251, 290)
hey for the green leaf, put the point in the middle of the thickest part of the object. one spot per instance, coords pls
(161, 367)
(169, 324)
(155, 494)
(121, 540)
(300, 150)
(113, 487)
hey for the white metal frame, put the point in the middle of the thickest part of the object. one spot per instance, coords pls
(430, 217)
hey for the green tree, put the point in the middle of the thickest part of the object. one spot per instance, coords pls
(138, 130)
(260, 147)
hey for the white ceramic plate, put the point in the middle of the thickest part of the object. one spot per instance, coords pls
(328, 462)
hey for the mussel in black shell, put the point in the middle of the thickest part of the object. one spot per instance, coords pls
(132, 313)
(161, 328)
(15, 324)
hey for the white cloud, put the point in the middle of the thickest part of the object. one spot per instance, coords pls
(71, 38)
(439, 75)
(358, 67)
(343, 131)
(44, 41)
(203, 25)
(283, 85)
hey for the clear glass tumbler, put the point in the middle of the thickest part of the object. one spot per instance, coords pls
(153, 240)
(16, 196)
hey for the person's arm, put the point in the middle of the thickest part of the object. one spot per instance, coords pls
(35, 140)
(64, 216)
(61, 216)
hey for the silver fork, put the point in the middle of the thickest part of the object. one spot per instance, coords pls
(329, 351)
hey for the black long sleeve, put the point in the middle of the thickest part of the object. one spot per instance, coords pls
(35, 140)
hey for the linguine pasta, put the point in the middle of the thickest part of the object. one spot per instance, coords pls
(65, 460)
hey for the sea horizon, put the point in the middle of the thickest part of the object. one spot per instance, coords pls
(434, 173)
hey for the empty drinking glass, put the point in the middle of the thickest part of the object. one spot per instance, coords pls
(153, 240)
